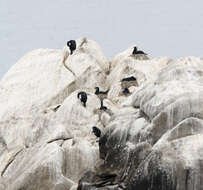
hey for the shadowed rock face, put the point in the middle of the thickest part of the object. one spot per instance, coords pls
(149, 140)
(159, 146)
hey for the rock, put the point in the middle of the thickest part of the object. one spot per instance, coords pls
(154, 140)
(126, 55)
(142, 70)
(42, 134)
(23, 81)
(60, 133)
(33, 169)
(150, 138)
(80, 156)
(92, 63)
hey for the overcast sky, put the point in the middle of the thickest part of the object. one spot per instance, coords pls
(160, 27)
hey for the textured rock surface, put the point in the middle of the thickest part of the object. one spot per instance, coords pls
(155, 140)
(45, 133)
(151, 138)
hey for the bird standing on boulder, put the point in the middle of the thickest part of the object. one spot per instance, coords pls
(136, 52)
(72, 46)
(101, 95)
(83, 97)
(127, 83)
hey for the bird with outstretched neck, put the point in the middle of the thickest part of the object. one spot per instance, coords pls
(137, 52)
(71, 44)
(101, 95)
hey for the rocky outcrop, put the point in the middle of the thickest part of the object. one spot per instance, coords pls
(151, 137)
(154, 141)
(45, 132)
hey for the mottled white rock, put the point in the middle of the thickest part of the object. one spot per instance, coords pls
(46, 139)
(39, 80)
(154, 141)
(91, 64)
(43, 128)
(39, 167)
(125, 55)
(125, 65)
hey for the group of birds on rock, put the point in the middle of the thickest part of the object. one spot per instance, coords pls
(72, 46)
(125, 84)
(82, 96)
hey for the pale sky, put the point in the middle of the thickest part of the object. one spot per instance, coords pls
(171, 28)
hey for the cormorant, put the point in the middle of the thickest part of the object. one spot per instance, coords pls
(128, 82)
(83, 97)
(96, 131)
(102, 95)
(136, 52)
(72, 46)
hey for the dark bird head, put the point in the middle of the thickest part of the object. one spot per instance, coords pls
(69, 43)
(134, 50)
(82, 95)
(96, 131)
(72, 45)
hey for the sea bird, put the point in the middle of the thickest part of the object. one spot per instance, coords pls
(127, 83)
(136, 52)
(72, 46)
(83, 97)
(101, 95)
(96, 131)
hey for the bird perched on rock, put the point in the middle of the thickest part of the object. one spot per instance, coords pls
(136, 52)
(101, 95)
(83, 97)
(72, 46)
(127, 83)
(96, 131)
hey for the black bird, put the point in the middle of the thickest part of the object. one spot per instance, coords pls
(72, 46)
(132, 78)
(83, 97)
(127, 83)
(102, 95)
(136, 52)
(96, 131)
